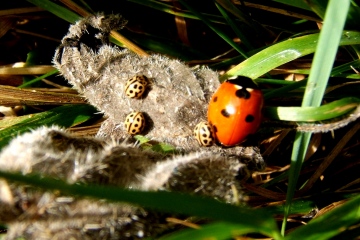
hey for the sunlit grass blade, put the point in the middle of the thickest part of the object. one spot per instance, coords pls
(336, 71)
(283, 52)
(310, 114)
(28, 83)
(219, 231)
(64, 116)
(171, 202)
(326, 49)
(215, 29)
(330, 224)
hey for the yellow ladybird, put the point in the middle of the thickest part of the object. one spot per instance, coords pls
(203, 134)
(135, 123)
(136, 86)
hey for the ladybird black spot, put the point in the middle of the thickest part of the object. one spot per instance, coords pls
(205, 142)
(215, 99)
(249, 118)
(225, 113)
(140, 87)
(242, 93)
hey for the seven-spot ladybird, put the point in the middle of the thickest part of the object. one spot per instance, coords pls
(135, 123)
(235, 110)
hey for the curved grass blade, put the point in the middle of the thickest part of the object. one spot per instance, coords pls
(258, 30)
(330, 224)
(219, 231)
(295, 3)
(235, 28)
(283, 52)
(163, 7)
(215, 29)
(64, 116)
(310, 114)
(57, 10)
(326, 49)
(35, 80)
(318, 7)
(172, 202)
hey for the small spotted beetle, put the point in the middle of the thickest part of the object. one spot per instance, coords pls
(235, 110)
(136, 86)
(135, 123)
(203, 134)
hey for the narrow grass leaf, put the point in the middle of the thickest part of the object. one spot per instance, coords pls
(295, 3)
(326, 49)
(283, 52)
(235, 28)
(330, 224)
(310, 114)
(318, 7)
(218, 231)
(215, 29)
(35, 80)
(163, 7)
(256, 219)
(57, 10)
(64, 116)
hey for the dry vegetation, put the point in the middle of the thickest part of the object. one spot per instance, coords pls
(330, 173)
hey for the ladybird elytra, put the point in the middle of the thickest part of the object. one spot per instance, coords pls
(235, 111)
(136, 86)
(135, 123)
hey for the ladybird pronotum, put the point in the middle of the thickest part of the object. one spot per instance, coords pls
(136, 86)
(203, 134)
(135, 123)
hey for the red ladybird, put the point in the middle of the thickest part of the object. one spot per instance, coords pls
(235, 110)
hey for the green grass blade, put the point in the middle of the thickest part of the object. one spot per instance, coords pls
(294, 3)
(325, 52)
(235, 28)
(254, 28)
(310, 114)
(283, 52)
(219, 231)
(318, 6)
(215, 29)
(57, 10)
(326, 49)
(330, 224)
(35, 80)
(64, 116)
(163, 7)
(256, 219)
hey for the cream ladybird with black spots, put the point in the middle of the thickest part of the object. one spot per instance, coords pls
(235, 111)
(135, 123)
(136, 86)
(203, 134)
